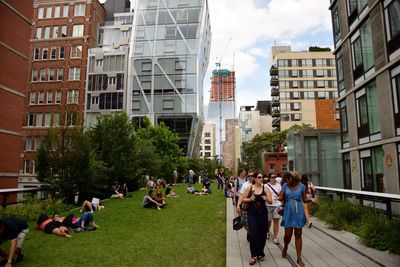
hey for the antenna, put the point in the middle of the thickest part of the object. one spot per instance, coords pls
(233, 64)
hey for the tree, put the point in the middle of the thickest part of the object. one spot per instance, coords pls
(65, 163)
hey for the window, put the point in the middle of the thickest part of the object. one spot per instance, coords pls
(355, 8)
(306, 63)
(309, 95)
(295, 84)
(45, 53)
(62, 52)
(343, 123)
(49, 97)
(38, 33)
(308, 84)
(336, 25)
(32, 98)
(40, 12)
(295, 73)
(346, 171)
(70, 119)
(282, 62)
(34, 75)
(392, 14)
(65, 10)
(169, 46)
(63, 31)
(368, 122)
(58, 97)
(284, 106)
(60, 74)
(319, 62)
(57, 11)
(362, 51)
(37, 143)
(135, 105)
(47, 119)
(168, 104)
(30, 120)
(74, 74)
(43, 75)
(296, 95)
(55, 32)
(322, 84)
(48, 12)
(53, 52)
(79, 10)
(296, 106)
(283, 73)
(207, 141)
(284, 167)
(294, 63)
(140, 33)
(284, 95)
(308, 73)
(395, 73)
(76, 51)
(56, 120)
(372, 170)
(207, 134)
(36, 54)
(41, 97)
(340, 76)
(321, 73)
(73, 97)
(51, 74)
(47, 33)
(207, 147)
(77, 30)
(39, 118)
(28, 143)
(296, 117)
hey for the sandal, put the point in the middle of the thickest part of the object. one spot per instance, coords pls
(300, 263)
(253, 261)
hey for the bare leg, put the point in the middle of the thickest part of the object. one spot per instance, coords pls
(276, 229)
(307, 212)
(86, 204)
(286, 240)
(298, 244)
(61, 231)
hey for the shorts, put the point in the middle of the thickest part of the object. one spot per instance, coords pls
(21, 237)
(244, 218)
(48, 229)
(273, 212)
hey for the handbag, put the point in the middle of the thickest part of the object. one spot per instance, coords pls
(245, 205)
(237, 223)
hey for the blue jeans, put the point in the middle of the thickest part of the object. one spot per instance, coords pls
(86, 218)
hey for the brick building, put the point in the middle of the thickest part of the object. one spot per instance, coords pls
(61, 35)
(14, 58)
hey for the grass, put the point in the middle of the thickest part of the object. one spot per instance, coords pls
(191, 231)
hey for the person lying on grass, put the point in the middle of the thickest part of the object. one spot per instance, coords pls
(204, 191)
(52, 226)
(191, 190)
(169, 192)
(91, 206)
(149, 202)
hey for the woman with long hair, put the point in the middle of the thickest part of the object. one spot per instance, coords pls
(293, 194)
(309, 194)
(256, 196)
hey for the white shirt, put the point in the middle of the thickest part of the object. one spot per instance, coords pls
(242, 183)
(245, 185)
(278, 189)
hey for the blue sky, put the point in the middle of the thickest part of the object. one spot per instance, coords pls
(253, 27)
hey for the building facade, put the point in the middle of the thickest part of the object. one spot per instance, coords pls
(169, 54)
(61, 35)
(14, 58)
(249, 123)
(367, 49)
(303, 89)
(207, 144)
(230, 145)
(222, 104)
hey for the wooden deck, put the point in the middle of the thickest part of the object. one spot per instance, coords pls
(321, 247)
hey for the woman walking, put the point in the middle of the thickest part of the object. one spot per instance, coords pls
(293, 194)
(275, 188)
(310, 189)
(257, 216)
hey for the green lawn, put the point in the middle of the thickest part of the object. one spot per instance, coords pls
(191, 231)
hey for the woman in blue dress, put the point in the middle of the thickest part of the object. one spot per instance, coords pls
(294, 195)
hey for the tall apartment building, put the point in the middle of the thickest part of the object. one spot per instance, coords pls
(222, 104)
(108, 63)
(367, 49)
(303, 89)
(169, 56)
(61, 35)
(207, 144)
(15, 29)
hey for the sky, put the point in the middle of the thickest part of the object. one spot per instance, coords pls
(245, 30)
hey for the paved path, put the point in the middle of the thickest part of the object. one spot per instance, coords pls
(321, 247)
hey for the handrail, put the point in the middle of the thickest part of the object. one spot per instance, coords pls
(6, 192)
(366, 195)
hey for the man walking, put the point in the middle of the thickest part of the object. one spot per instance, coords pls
(15, 230)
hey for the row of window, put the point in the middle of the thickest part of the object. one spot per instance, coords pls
(208, 148)
(106, 101)
(306, 73)
(100, 82)
(111, 63)
(50, 74)
(308, 95)
(319, 62)
(59, 31)
(53, 97)
(307, 84)
(48, 120)
(55, 52)
(298, 117)
(60, 11)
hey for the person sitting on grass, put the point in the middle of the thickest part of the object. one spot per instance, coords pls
(169, 192)
(159, 197)
(15, 230)
(149, 202)
(91, 206)
(114, 191)
(84, 221)
(52, 226)
(191, 190)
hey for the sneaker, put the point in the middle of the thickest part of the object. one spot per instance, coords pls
(20, 256)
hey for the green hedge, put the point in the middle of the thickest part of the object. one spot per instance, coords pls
(372, 226)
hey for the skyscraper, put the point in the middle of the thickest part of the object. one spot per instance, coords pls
(169, 56)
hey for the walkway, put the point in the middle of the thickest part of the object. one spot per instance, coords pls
(321, 247)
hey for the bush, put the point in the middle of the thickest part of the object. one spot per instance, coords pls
(31, 208)
(372, 227)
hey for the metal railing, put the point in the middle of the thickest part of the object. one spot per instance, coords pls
(364, 197)
(5, 193)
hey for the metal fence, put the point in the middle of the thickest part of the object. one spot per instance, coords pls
(15, 195)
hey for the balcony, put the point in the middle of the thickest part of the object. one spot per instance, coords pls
(276, 129)
(276, 122)
(275, 102)
(276, 112)
(274, 81)
(273, 71)
(275, 91)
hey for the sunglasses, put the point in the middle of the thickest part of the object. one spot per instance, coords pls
(273, 176)
(251, 175)
(260, 177)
